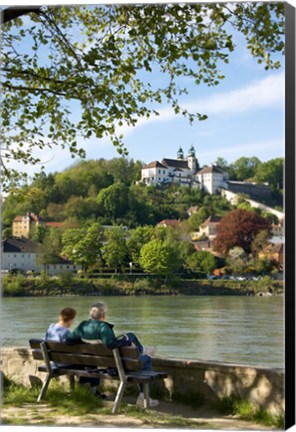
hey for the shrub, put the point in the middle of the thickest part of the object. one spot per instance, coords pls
(142, 284)
(66, 277)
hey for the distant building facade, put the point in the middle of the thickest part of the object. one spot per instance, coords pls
(22, 253)
(184, 171)
(25, 225)
(209, 227)
(212, 179)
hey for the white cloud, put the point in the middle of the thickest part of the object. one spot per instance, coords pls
(267, 93)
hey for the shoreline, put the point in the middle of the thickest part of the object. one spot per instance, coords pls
(119, 285)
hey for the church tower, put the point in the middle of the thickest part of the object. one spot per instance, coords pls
(180, 154)
(192, 161)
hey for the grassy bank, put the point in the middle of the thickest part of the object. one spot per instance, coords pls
(20, 286)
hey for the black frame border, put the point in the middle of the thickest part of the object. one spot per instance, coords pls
(290, 216)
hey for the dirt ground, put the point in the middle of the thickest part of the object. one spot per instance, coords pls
(199, 418)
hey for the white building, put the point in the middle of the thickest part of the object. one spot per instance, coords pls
(181, 170)
(212, 178)
(21, 254)
(184, 171)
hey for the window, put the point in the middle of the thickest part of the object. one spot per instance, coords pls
(14, 255)
(159, 171)
(163, 171)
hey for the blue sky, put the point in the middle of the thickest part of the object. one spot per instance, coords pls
(245, 118)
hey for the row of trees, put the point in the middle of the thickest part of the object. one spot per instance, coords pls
(252, 169)
(154, 250)
(159, 250)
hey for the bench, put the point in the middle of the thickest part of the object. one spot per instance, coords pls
(98, 359)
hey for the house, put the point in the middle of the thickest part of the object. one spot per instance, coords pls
(192, 210)
(209, 227)
(274, 252)
(22, 253)
(169, 223)
(205, 245)
(25, 225)
(212, 179)
(277, 230)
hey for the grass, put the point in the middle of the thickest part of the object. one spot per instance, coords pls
(82, 403)
(245, 410)
(77, 403)
(156, 419)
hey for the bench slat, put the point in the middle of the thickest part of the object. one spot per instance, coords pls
(81, 348)
(37, 354)
(145, 376)
(130, 352)
(81, 359)
(35, 343)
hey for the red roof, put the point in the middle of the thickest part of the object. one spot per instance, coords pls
(54, 224)
(211, 220)
(18, 219)
(169, 222)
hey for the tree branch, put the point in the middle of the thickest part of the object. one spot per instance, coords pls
(33, 90)
(16, 11)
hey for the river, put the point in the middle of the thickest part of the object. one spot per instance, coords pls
(248, 330)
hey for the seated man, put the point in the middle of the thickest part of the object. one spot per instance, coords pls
(97, 329)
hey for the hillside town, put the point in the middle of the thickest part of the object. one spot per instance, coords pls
(25, 250)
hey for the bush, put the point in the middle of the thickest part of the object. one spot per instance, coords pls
(66, 277)
(142, 284)
(14, 285)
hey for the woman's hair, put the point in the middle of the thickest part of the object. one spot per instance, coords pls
(67, 314)
(97, 310)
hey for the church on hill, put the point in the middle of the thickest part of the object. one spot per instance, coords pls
(184, 171)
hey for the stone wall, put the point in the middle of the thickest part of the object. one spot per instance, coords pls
(207, 381)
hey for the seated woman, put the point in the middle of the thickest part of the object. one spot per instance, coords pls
(59, 332)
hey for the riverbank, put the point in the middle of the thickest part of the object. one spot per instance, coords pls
(21, 286)
(229, 388)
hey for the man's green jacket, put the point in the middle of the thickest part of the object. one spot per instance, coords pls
(98, 331)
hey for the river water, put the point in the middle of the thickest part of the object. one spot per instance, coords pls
(248, 330)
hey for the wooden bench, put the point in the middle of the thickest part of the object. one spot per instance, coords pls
(98, 358)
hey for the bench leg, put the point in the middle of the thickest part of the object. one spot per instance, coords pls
(146, 395)
(119, 395)
(44, 387)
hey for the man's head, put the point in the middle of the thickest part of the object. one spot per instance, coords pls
(67, 316)
(98, 311)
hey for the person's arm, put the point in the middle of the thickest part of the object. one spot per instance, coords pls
(74, 336)
(108, 338)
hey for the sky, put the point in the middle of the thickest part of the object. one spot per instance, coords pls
(245, 118)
